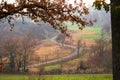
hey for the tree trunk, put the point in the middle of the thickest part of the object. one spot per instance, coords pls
(24, 64)
(12, 62)
(78, 47)
(115, 20)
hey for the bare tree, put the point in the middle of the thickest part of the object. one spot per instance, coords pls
(11, 46)
(27, 45)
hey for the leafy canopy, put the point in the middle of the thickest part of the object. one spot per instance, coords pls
(54, 12)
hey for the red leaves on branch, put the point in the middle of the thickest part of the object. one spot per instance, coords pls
(70, 6)
(54, 12)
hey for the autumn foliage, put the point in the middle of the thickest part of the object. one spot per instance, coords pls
(55, 12)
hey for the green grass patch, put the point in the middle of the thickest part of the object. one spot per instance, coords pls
(91, 33)
(91, 37)
(50, 67)
(59, 77)
(75, 60)
(73, 27)
(82, 57)
(13, 77)
(81, 77)
(76, 27)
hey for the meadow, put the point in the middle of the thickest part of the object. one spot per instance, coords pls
(90, 34)
(58, 77)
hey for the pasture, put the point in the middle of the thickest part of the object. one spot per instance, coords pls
(58, 77)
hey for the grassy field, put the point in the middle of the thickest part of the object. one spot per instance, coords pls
(95, 33)
(59, 77)
(50, 67)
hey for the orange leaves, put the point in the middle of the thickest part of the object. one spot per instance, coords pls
(44, 2)
(63, 1)
(28, 9)
(54, 12)
(41, 12)
(65, 6)
(63, 29)
(70, 6)
(51, 21)
(85, 10)
(67, 17)
(59, 6)
(9, 7)
(98, 4)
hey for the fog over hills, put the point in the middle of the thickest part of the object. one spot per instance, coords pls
(42, 31)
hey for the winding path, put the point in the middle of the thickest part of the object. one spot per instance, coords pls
(73, 54)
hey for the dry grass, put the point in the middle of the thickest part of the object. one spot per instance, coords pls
(78, 33)
(49, 51)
